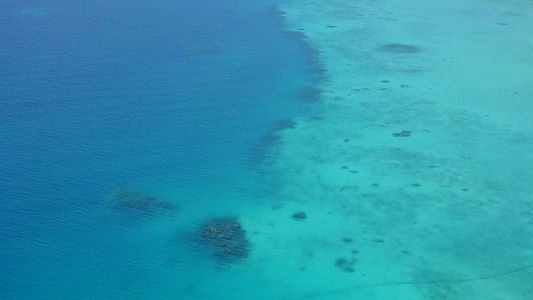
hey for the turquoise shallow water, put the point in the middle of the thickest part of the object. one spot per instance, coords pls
(173, 99)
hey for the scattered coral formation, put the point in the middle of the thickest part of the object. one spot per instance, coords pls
(398, 48)
(347, 240)
(403, 133)
(283, 124)
(276, 13)
(299, 216)
(226, 237)
(133, 201)
(310, 94)
(262, 151)
(345, 264)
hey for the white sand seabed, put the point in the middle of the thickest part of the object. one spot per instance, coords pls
(445, 213)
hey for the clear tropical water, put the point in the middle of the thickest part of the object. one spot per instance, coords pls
(318, 149)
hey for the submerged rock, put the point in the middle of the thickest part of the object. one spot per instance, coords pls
(226, 237)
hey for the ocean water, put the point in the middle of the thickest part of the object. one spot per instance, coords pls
(291, 150)
(173, 99)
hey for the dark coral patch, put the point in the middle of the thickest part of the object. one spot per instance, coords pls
(263, 150)
(299, 216)
(311, 54)
(345, 264)
(295, 34)
(283, 124)
(347, 240)
(276, 13)
(310, 94)
(318, 70)
(403, 133)
(398, 48)
(226, 238)
(136, 202)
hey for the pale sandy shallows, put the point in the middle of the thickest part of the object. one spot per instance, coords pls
(416, 170)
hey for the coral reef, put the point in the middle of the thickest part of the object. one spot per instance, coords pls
(263, 150)
(276, 13)
(345, 264)
(226, 237)
(398, 48)
(283, 124)
(310, 94)
(347, 240)
(133, 201)
(299, 216)
(403, 133)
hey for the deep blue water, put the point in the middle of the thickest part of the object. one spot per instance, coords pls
(167, 98)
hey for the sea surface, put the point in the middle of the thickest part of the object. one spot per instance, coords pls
(175, 100)
(266, 150)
